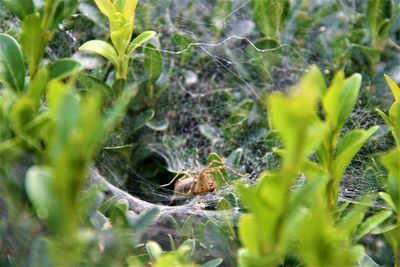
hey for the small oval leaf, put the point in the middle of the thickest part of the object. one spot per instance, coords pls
(139, 40)
(63, 68)
(102, 48)
(12, 68)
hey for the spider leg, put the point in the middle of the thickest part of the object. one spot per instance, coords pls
(221, 175)
(216, 161)
(192, 187)
(197, 159)
(173, 179)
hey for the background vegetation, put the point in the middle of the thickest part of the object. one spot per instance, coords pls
(291, 108)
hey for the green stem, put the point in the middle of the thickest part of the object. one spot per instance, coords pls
(330, 189)
(122, 68)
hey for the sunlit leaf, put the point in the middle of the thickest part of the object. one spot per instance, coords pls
(102, 48)
(139, 40)
(393, 87)
(106, 7)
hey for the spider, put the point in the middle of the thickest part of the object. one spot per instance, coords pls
(201, 182)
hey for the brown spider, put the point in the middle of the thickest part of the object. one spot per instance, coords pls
(201, 182)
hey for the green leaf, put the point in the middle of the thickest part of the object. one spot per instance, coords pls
(268, 16)
(38, 187)
(388, 199)
(37, 86)
(140, 120)
(371, 223)
(183, 42)
(107, 205)
(126, 7)
(63, 68)
(22, 113)
(348, 147)
(339, 102)
(102, 48)
(139, 40)
(331, 99)
(211, 133)
(221, 10)
(116, 113)
(213, 263)
(33, 41)
(386, 118)
(392, 237)
(12, 68)
(393, 87)
(187, 248)
(154, 250)
(248, 235)
(394, 114)
(39, 253)
(140, 223)
(63, 10)
(153, 63)
(20, 8)
(158, 125)
(121, 37)
(106, 7)
(351, 221)
(235, 157)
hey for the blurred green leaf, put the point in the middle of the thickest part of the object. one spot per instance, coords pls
(37, 86)
(63, 10)
(107, 205)
(22, 113)
(39, 189)
(268, 16)
(154, 250)
(371, 223)
(221, 10)
(12, 68)
(63, 68)
(248, 236)
(20, 8)
(213, 263)
(352, 219)
(39, 254)
(140, 223)
(348, 147)
(388, 199)
(33, 41)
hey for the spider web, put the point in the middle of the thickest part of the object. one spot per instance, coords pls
(221, 71)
